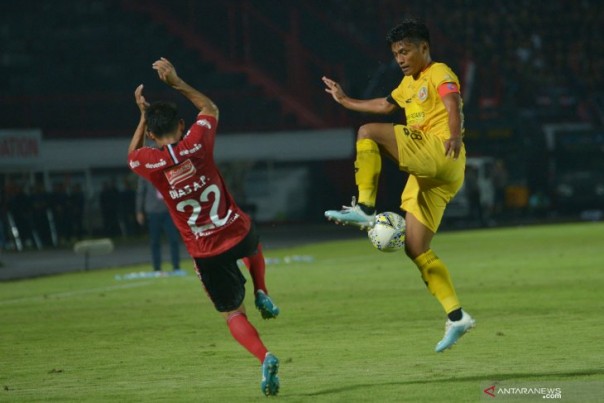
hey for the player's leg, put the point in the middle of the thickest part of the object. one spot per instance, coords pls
(433, 271)
(432, 182)
(437, 278)
(244, 332)
(247, 335)
(249, 250)
(372, 139)
(256, 265)
(225, 285)
(154, 225)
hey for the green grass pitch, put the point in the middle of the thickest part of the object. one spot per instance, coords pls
(356, 325)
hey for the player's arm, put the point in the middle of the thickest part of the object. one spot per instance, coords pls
(167, 73)
(376, 105)
(452, 102)
(138, 139)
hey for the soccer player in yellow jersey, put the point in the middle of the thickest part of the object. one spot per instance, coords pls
(430, 148)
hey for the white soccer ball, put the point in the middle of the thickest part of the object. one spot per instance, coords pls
(388, 233)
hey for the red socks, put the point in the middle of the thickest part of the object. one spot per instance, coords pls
(256, 266)
(246, 334)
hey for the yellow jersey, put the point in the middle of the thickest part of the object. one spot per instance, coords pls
(423, 106)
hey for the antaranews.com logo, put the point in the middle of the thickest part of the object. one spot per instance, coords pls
(543, 392)
(568, 391)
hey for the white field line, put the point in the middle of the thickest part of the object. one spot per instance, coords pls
(73, 293)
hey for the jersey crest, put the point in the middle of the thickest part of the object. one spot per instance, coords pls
(422, 94)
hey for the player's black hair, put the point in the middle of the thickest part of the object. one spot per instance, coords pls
(162, 118)
(411, 30)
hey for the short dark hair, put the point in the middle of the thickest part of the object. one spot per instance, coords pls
(162, 118)
(410, 29)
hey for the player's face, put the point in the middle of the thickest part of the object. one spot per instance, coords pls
(411, 57)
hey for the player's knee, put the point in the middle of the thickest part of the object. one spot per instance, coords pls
(228, 315)
(364, 132)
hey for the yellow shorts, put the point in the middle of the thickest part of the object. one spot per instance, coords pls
(433, 178)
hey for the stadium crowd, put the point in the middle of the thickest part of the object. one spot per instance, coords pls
(544, 56)
(37, 218)
(518, 61)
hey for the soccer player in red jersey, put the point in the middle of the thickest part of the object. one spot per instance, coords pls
(215, 230)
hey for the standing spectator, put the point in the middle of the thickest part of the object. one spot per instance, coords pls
(500, 182)
(58, 206)
(2, 220)
(19, 206)
(76, 202)
(127, 208)
(472, 186)
(41, 207)
(152, 210)
(109, 200)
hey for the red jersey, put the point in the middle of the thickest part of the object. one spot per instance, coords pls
(205, 213)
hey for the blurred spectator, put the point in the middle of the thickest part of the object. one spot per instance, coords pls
(473, 194)
(76, 203)
(2, 221)
(539, 204)
(19, 207)
(60, 212)
(40, 204)
(128, 208)
(109, 199)
(152, 210)
(500, 182)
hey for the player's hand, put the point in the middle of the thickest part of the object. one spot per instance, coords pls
(166, 71)
(453, 147)
(141, 102)
(334, 89)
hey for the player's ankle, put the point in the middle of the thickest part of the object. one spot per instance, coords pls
(455, 315)
(369, 210)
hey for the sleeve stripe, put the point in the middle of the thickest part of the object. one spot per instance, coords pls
(447, 88)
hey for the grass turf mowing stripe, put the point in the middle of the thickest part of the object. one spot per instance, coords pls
(72, 293)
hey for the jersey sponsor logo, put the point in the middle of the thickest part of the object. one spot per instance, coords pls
(134, 164)
(204, 123)
(187, 189)
(180, 173)
(422, 94)
(416, 116)
(158, 164)
(192, 150)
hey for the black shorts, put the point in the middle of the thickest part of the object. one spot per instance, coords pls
(221, 276)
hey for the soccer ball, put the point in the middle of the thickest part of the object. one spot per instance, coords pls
(388, 232)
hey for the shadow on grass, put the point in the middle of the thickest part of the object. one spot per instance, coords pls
(477, 378)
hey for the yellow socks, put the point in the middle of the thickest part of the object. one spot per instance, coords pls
(367, 168)
(436, 276)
